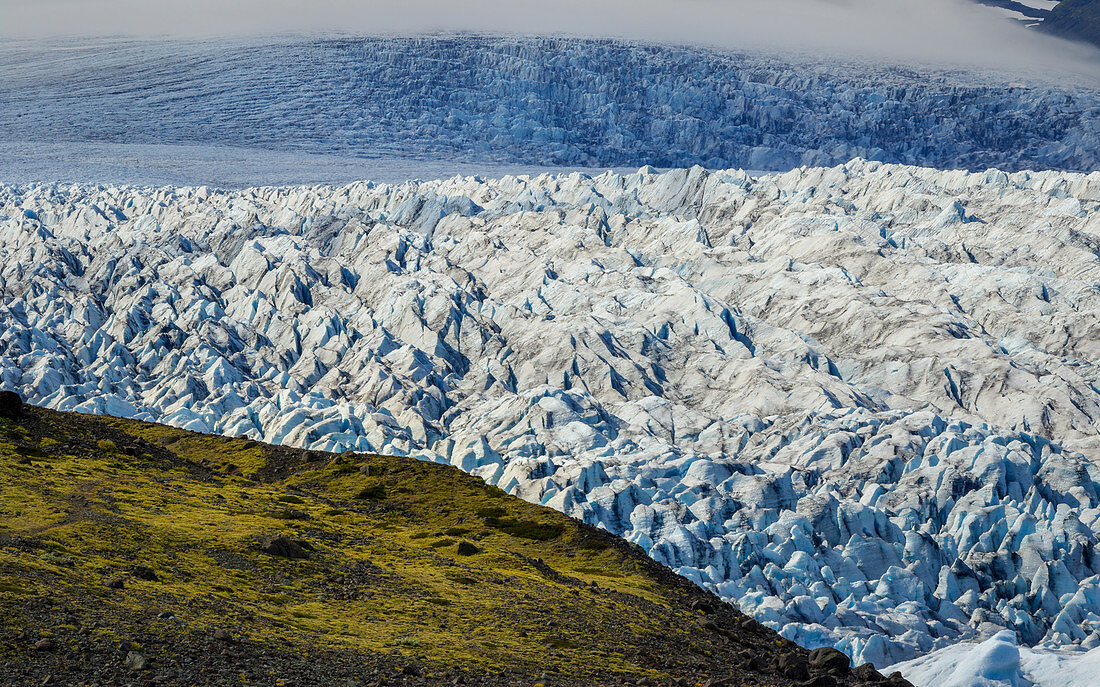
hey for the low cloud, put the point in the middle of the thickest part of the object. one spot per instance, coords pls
(937, 32)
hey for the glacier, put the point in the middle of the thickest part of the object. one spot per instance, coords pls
(999, 662)
(515, 100)
(860, 401)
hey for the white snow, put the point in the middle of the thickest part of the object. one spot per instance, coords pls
(999, 662)
(860, 401)
(1015, 14)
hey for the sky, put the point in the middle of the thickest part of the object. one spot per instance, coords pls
(942, 32)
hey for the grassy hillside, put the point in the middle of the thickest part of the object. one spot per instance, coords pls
(1076, 19)
(142, 553)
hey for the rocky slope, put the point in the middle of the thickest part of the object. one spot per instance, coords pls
(136, 552)
(859, 401)
(1076, 19)
(541, 101)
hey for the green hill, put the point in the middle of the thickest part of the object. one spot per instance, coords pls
(133, 553)
(1075, 19)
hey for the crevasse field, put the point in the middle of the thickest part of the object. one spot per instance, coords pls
(141, 112)
(859, 399)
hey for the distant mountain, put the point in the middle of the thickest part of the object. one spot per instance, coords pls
(1073, 19)
(1079, 19)
(1030, 12)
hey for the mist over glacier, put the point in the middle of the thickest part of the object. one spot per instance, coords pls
(935, 32)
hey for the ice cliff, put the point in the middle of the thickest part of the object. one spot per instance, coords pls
(860, 401)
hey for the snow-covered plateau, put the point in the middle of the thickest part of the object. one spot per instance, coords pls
(862, 402)
(508, 100)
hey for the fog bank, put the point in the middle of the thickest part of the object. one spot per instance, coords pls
(934, 32)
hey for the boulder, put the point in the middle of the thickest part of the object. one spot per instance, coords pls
(146, 573)
(11, 405)
(830, 660)
(285, 547)
(793, 666)
(135, 661)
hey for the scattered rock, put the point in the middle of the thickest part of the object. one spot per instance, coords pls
(114, 583)
(285, 547)
(820, 681)
(135, 661)
(164, 615)
(45, 644)
(222, 635)
(830, 660)
(465, 548)
(11, 405)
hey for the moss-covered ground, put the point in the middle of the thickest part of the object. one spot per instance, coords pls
(121, 539)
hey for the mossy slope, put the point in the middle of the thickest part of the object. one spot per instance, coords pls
(89, 506)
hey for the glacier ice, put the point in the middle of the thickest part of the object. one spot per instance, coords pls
(999, 662)
(860, 401)
(542, 101)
